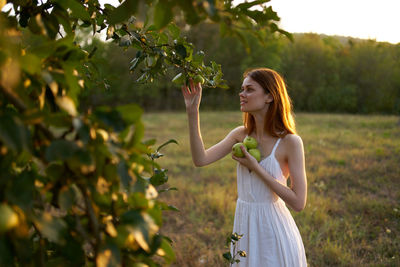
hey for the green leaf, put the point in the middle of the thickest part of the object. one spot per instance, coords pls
(109, 256)
(162, 14)
(72, 80)
(63, 18)
(67, 104)
(138, 200)
(169, 255)
(174, 31)
(123, 12)
(164, 206)
(61, 150)
(78, 10)
(13, 132)
(160, 177)
(168, 189)
(170, 141)
(22, 189)
(66, 198)
(110, 117)
(55, 171)
(172, 207)
(79, 159)
(136, 225)
(36, 25)
(124, 176)
(227, 256)
(31, 63)
(189, 51)
(52, 25)
(181, 50)
(156, 214)
(51, 227)
(247, 5)
(198, 57)
(162, 39)
(180, 79)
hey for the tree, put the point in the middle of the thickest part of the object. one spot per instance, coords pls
(80, 186)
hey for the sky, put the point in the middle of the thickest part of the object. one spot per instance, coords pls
(367, 19)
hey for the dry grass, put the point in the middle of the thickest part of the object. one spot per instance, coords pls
(352, 216)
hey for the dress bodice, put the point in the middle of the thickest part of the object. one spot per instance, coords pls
(252, 188)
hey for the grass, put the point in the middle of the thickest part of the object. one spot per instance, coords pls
(352, 216)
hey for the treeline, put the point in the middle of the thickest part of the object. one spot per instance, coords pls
(323, 73)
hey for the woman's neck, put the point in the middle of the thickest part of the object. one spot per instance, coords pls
(259, 130)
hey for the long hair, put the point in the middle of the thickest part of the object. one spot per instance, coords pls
(279, 119)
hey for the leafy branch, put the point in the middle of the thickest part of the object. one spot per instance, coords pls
(232, 255)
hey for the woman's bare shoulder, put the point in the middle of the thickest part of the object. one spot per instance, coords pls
(292, 141)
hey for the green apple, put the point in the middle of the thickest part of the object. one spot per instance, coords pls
(237, 151)
(8, 218)
(198, 79)
(255, 153)
(250, 142)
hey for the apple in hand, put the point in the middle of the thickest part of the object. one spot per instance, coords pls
(255, 153)
(250, 142)
(237, 151)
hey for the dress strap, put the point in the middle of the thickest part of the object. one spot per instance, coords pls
(275, 146)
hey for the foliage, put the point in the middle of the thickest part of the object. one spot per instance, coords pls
(80, 186)
(231, 256)
(323, 73)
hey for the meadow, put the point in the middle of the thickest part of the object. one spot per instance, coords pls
(352, 217)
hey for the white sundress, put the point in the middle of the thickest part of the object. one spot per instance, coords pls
(270, 235)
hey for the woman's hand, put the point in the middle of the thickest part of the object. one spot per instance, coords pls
(248, 160)
(193, 96)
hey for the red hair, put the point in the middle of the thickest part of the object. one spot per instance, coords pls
(279, 119)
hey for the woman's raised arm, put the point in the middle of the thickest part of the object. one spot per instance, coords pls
(200, 155)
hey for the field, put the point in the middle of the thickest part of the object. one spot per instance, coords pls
(352, 217)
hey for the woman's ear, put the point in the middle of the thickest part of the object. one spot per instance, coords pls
(269, 99)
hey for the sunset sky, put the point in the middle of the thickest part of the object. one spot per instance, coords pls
(366, 19)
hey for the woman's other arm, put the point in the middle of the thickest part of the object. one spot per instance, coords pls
(296, 195)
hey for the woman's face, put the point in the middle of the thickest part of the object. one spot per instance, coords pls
(253, 97)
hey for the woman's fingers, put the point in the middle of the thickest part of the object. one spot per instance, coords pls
(185, 90)
(192, 87)
(244, 150)
(198, 87)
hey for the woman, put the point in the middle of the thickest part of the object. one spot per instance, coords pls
(270, 235)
